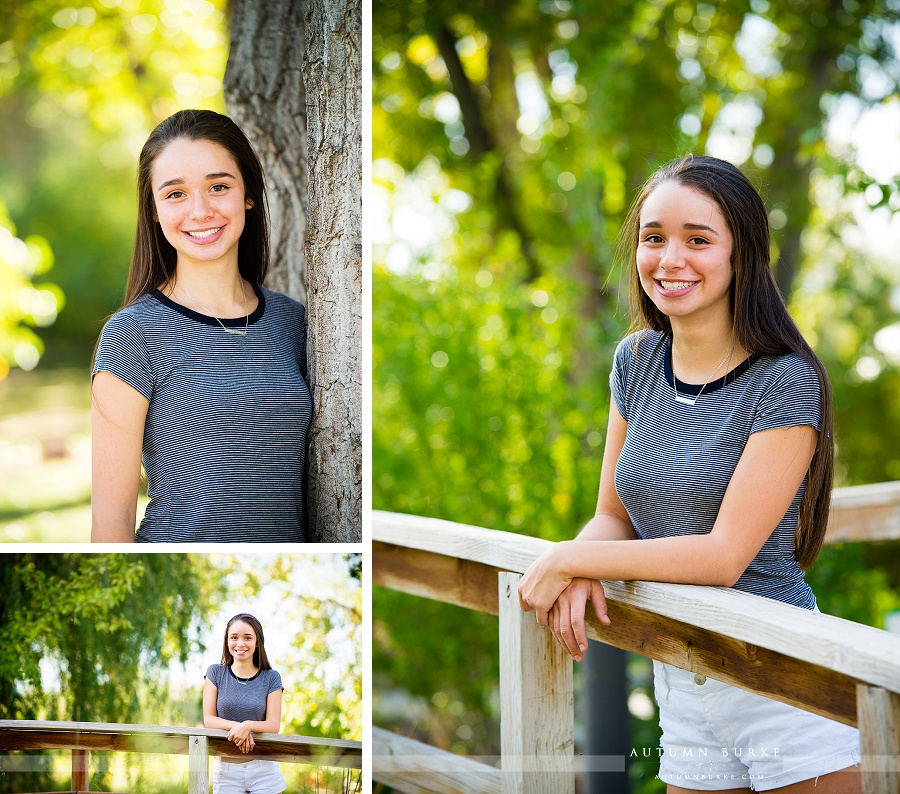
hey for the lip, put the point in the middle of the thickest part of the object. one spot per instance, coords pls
(674, 293)
(203, 240)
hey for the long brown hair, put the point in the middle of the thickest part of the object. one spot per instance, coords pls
(761, 321)
(259, 654)
(153, 258)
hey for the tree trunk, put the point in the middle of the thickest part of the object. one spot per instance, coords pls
(294, 84)
(266, 97)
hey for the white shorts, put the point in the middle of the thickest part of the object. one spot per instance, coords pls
(716, 736)
(252, 777)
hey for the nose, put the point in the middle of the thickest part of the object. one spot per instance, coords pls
(200, 209)
(671, 258)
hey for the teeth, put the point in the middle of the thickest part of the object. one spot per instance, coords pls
(674, 285)
(201, 235)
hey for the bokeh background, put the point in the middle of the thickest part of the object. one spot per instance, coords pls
(509, 138)
(81, 87)
(127, 638)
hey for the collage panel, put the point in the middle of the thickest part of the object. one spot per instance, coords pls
(635, 303)
(181, 260)
(170, 672)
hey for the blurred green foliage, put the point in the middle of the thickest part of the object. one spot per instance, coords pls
(80, 90)
(21, 302)
(508, 140)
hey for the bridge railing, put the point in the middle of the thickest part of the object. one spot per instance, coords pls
(197, 743)
(823, 664)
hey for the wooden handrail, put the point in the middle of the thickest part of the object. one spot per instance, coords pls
(38, 734)
(833, 667)
(865, 513)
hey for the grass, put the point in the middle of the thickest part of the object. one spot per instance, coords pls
(45, 465)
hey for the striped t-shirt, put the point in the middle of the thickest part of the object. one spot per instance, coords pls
(225, 437)
(240, 699)
(678, 459)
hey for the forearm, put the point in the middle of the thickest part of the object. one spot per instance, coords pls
(107, 527)
(688, 559)
(257, 726)
(263, 726)
(607, 526)
(212, 721)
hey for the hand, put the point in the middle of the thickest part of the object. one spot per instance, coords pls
(567, 615)
(242, 736)
(543, 582)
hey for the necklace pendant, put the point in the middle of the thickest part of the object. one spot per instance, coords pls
(235, 331)
(683, 398)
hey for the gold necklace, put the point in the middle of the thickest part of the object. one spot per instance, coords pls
(235, 331)
(687, 399)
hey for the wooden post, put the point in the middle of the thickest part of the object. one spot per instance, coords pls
(879, 737)
(198, 766)
(536, 702)
(81, 760)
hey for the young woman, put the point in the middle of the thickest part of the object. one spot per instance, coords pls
(243, 695)
(719, 459)
(201, 376)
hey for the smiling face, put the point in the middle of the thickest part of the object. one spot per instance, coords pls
(241, 641)
(199, 200)
(684, 254)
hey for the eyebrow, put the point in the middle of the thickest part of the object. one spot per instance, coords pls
(693, 227)
(180, 180)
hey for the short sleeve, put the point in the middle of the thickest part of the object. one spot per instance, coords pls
(274, 681)
(618, 378)
(792, 397)
(214, 674)
(122, 351)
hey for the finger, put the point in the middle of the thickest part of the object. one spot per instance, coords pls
(568, 638)
(579, 635)
(598, 599)
(523, 604)
(542, 615)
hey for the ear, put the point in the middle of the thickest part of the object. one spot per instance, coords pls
(249, 203)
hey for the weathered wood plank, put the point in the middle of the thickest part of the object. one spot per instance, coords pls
(81, 760)
(417, 768)
(537, 702)
(754, 668)
(436, 576)
(758, 669)
(879, 738)
(865, 513)
(198, 766)
(795, 633)
(38, 734)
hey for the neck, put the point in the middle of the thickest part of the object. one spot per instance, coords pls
(244, 669)
(215, 288)
(698, 349)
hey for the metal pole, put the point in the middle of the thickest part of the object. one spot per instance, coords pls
(608, 734)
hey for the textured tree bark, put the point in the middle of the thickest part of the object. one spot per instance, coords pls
(294, 85)
(332, 72)
(266, 97)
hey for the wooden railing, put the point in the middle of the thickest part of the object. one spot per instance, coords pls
(198, 743)
(826, 665)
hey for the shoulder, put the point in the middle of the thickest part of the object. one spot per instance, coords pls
(638, 345)
(789, 369)
(132, 320)
(215, 672)
(138, 311)
(284, 303)
(273, 679)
